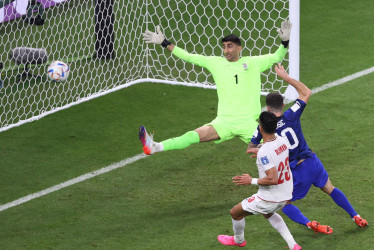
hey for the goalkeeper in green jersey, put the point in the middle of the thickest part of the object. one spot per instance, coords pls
(238, 82)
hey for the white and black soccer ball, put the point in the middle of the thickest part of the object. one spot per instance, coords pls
(58, 71)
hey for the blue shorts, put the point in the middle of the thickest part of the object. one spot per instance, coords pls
(310, 171)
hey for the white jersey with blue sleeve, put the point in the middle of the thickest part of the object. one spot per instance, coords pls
(289, 127)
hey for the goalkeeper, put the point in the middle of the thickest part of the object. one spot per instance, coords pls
(238, 82)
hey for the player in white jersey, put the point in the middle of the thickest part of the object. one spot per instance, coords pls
(274, 153)
(275, 186)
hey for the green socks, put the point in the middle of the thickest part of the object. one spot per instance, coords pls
(181, 142)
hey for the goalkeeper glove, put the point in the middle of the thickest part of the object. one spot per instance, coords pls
(156, 38)
(285, 30)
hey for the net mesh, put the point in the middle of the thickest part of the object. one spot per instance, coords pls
(70, 33)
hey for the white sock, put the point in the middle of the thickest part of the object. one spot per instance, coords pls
(238, 227)
(353, 218)
(157, 147)
(278, 223)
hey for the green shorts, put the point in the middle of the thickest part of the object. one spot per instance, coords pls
(228, 127)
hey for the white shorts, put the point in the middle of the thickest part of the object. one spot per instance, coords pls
(255, 205)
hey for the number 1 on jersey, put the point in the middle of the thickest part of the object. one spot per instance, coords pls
(236, 79)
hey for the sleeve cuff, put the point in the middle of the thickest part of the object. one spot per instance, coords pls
(285, 43)
(165, 43)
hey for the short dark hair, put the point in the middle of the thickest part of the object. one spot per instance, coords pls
(268, 122)
(274, 101)
(232, 38)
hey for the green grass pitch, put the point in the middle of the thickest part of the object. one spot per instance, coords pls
(181, 199)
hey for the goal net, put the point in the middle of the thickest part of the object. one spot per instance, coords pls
(102, 43)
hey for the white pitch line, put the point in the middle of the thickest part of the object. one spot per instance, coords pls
(73, 181)
(343, 80)
(141, 156)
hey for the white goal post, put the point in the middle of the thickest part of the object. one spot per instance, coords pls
(101, 41)
(294, 51)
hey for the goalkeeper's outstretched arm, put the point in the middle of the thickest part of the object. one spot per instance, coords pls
(267, 61)
(157, 38)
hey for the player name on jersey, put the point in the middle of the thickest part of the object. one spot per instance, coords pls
(281, 149)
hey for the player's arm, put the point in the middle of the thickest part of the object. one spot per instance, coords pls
(253, 149)
(159, 38)
(252, 145)
(270, 179)
(266, 61)
(301, 88)
(255, 143)
(246, 179)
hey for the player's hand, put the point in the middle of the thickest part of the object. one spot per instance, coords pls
(154, 37)
(285, 30)
(252, 151)
(244, 179)
(281, 72)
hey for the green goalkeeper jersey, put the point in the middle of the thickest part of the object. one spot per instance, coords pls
(238, 83)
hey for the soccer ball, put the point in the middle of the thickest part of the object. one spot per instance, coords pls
(58, 71)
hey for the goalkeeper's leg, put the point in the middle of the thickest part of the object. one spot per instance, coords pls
(203, 134)
(150, 146)
(183, 141)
